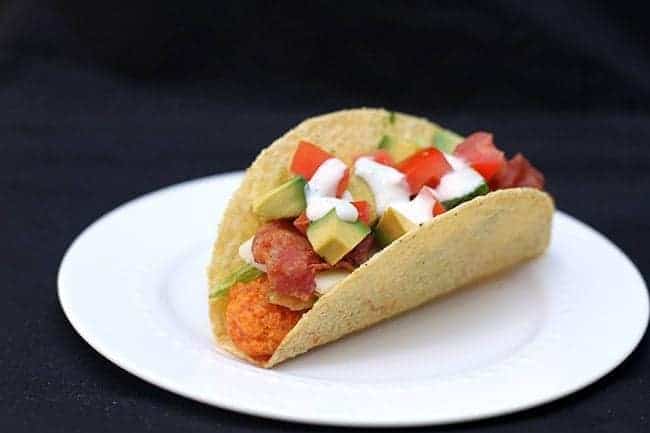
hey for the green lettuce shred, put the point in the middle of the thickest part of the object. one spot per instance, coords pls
(385, 142)
(242, 275)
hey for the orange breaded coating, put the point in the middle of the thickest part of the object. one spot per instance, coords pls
(254, 325)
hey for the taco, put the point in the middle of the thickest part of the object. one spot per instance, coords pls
(356, 216)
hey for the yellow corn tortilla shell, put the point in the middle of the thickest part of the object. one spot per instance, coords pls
(470, 242)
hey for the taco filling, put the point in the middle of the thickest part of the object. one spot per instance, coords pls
(329, 218)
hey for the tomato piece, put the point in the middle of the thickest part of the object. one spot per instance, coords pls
(307, 159)
(438, 208)
(425, 167)
(379, 156)
(301, 223)
(479, 151)
(363, 207)
(518, 172)
(343, 184)
(383, 157)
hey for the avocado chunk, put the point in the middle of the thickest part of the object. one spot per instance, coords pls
(285, 201)
(479, 190)
(446, 141)
(399, 150)
(361, 192)
(332, 238)
(242, 275)
(391, 226)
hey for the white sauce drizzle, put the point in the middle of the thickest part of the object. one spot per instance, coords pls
(327, 279)
(347, 196)
(387, 184)
(458, 183)
(327, 177)
(420, 209)
(320, 193)
(246, 253)
(455, 162)
(318, 207)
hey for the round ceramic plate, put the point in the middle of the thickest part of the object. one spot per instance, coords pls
(133, 285)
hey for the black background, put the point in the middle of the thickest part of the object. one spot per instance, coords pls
(103, 101)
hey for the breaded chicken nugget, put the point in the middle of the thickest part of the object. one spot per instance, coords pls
(254, 325)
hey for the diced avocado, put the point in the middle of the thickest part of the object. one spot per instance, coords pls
(399, 150)
(242, 275)
(332, 238)
(446, 141)
(391, 226)
(361, 192)
(285, 201)
(480, 190)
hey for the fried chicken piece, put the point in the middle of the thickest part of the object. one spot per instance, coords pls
(255, 325)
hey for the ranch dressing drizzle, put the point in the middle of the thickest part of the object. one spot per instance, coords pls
(458, 183)
(318, 207)
(387, 184)
(327, 177)
(420, 209)
(325, 280)
(320, 193)
(455, 162)
(246, 253)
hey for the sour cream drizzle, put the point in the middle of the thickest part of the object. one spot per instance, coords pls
(318, 207)
(387, 184)
(246, 253)
(458, 183)
(420, 209)
(455, 162)
(320, 193)
(325, 280)
(327, 177)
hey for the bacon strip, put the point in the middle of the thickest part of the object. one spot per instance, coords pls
(361, 253)
(301, 223)
(287, 256)
(518, 172)
(291, 262)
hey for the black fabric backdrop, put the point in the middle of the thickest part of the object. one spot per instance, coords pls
(101, 102)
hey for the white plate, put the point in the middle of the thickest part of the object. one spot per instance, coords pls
(133, 286)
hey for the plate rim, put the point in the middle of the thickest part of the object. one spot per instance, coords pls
(164, 383)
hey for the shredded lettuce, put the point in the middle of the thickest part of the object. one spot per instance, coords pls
(384, 142)
(242, 275)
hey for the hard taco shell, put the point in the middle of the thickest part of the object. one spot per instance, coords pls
(470, 242)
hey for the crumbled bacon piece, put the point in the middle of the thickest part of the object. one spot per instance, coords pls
(301, 223)
(287, 256)
(291, 262)
(360, 253)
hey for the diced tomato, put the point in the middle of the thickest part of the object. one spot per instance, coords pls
(364, 210)
(425, 167)
(438, 208)
(343, 184)
(307, 159)
(478, 150)
(380, 156)
(383, 157)
(518, 172)
(301, 223)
